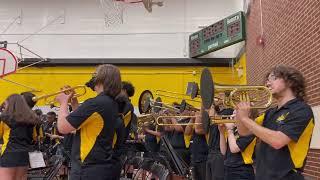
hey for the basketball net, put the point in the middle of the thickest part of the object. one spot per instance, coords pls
(113, 11)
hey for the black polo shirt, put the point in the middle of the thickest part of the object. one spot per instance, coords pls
(17, 142)
(152, 144)
(95, 120)
(126, 110)
(214, 134)
(246, 145)
(177, 140)
(295, 119)
(199, 148)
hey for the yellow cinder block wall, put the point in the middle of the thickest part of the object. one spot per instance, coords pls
(50, 79)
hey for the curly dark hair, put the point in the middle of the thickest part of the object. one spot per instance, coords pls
(128, 87)
(292, 77)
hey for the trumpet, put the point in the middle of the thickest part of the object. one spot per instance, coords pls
(68, 90)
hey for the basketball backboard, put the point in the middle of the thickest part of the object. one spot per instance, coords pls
(8, 62)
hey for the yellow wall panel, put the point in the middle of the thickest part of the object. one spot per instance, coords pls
(50, 79)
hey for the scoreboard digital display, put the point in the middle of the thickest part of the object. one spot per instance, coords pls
(221, 34)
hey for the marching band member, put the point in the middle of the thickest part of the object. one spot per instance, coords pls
(38, 133)
(94, 122)
(199, 148)
(285, 130)
(178, 141)
(16, 129)
(215, 167)
(126, 108)
(128, 90)
(238, 153)
(151, 135)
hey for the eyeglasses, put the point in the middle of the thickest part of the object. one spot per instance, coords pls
(271, 77)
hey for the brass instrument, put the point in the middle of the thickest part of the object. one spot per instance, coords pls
(213, 120)
(145, 120)
(260, 97)
(157, 105)
(185, 106)
(68, 90)
(176, 95)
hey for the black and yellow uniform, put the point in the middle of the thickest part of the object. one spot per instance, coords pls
(92, 152)
(151, 142)
(199, 154)
(295, 119)
(38, 136)
(51, 128)
(214, 167)
(178, 143)
(17, 142)
(127, 112)
(238, 166)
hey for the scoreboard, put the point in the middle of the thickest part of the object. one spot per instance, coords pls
(221, 34)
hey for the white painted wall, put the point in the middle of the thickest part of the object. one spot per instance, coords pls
(82, 32)
(315, 143)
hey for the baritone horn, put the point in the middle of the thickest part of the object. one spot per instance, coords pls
(80, 90)
(145, 120)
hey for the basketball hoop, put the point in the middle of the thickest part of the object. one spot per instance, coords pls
(8, 62)
(113, 11)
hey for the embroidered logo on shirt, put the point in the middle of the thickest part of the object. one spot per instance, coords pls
(282, 117)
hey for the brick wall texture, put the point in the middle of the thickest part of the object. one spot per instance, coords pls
(292, 37)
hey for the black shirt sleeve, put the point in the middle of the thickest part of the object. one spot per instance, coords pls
(244, 141)
(295, 122)
(82, 113)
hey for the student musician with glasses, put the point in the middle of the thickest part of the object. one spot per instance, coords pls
(285, 130)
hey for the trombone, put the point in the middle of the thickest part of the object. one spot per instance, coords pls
(175, 95)
(213, 120)
(157, 105)
(67, 91)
